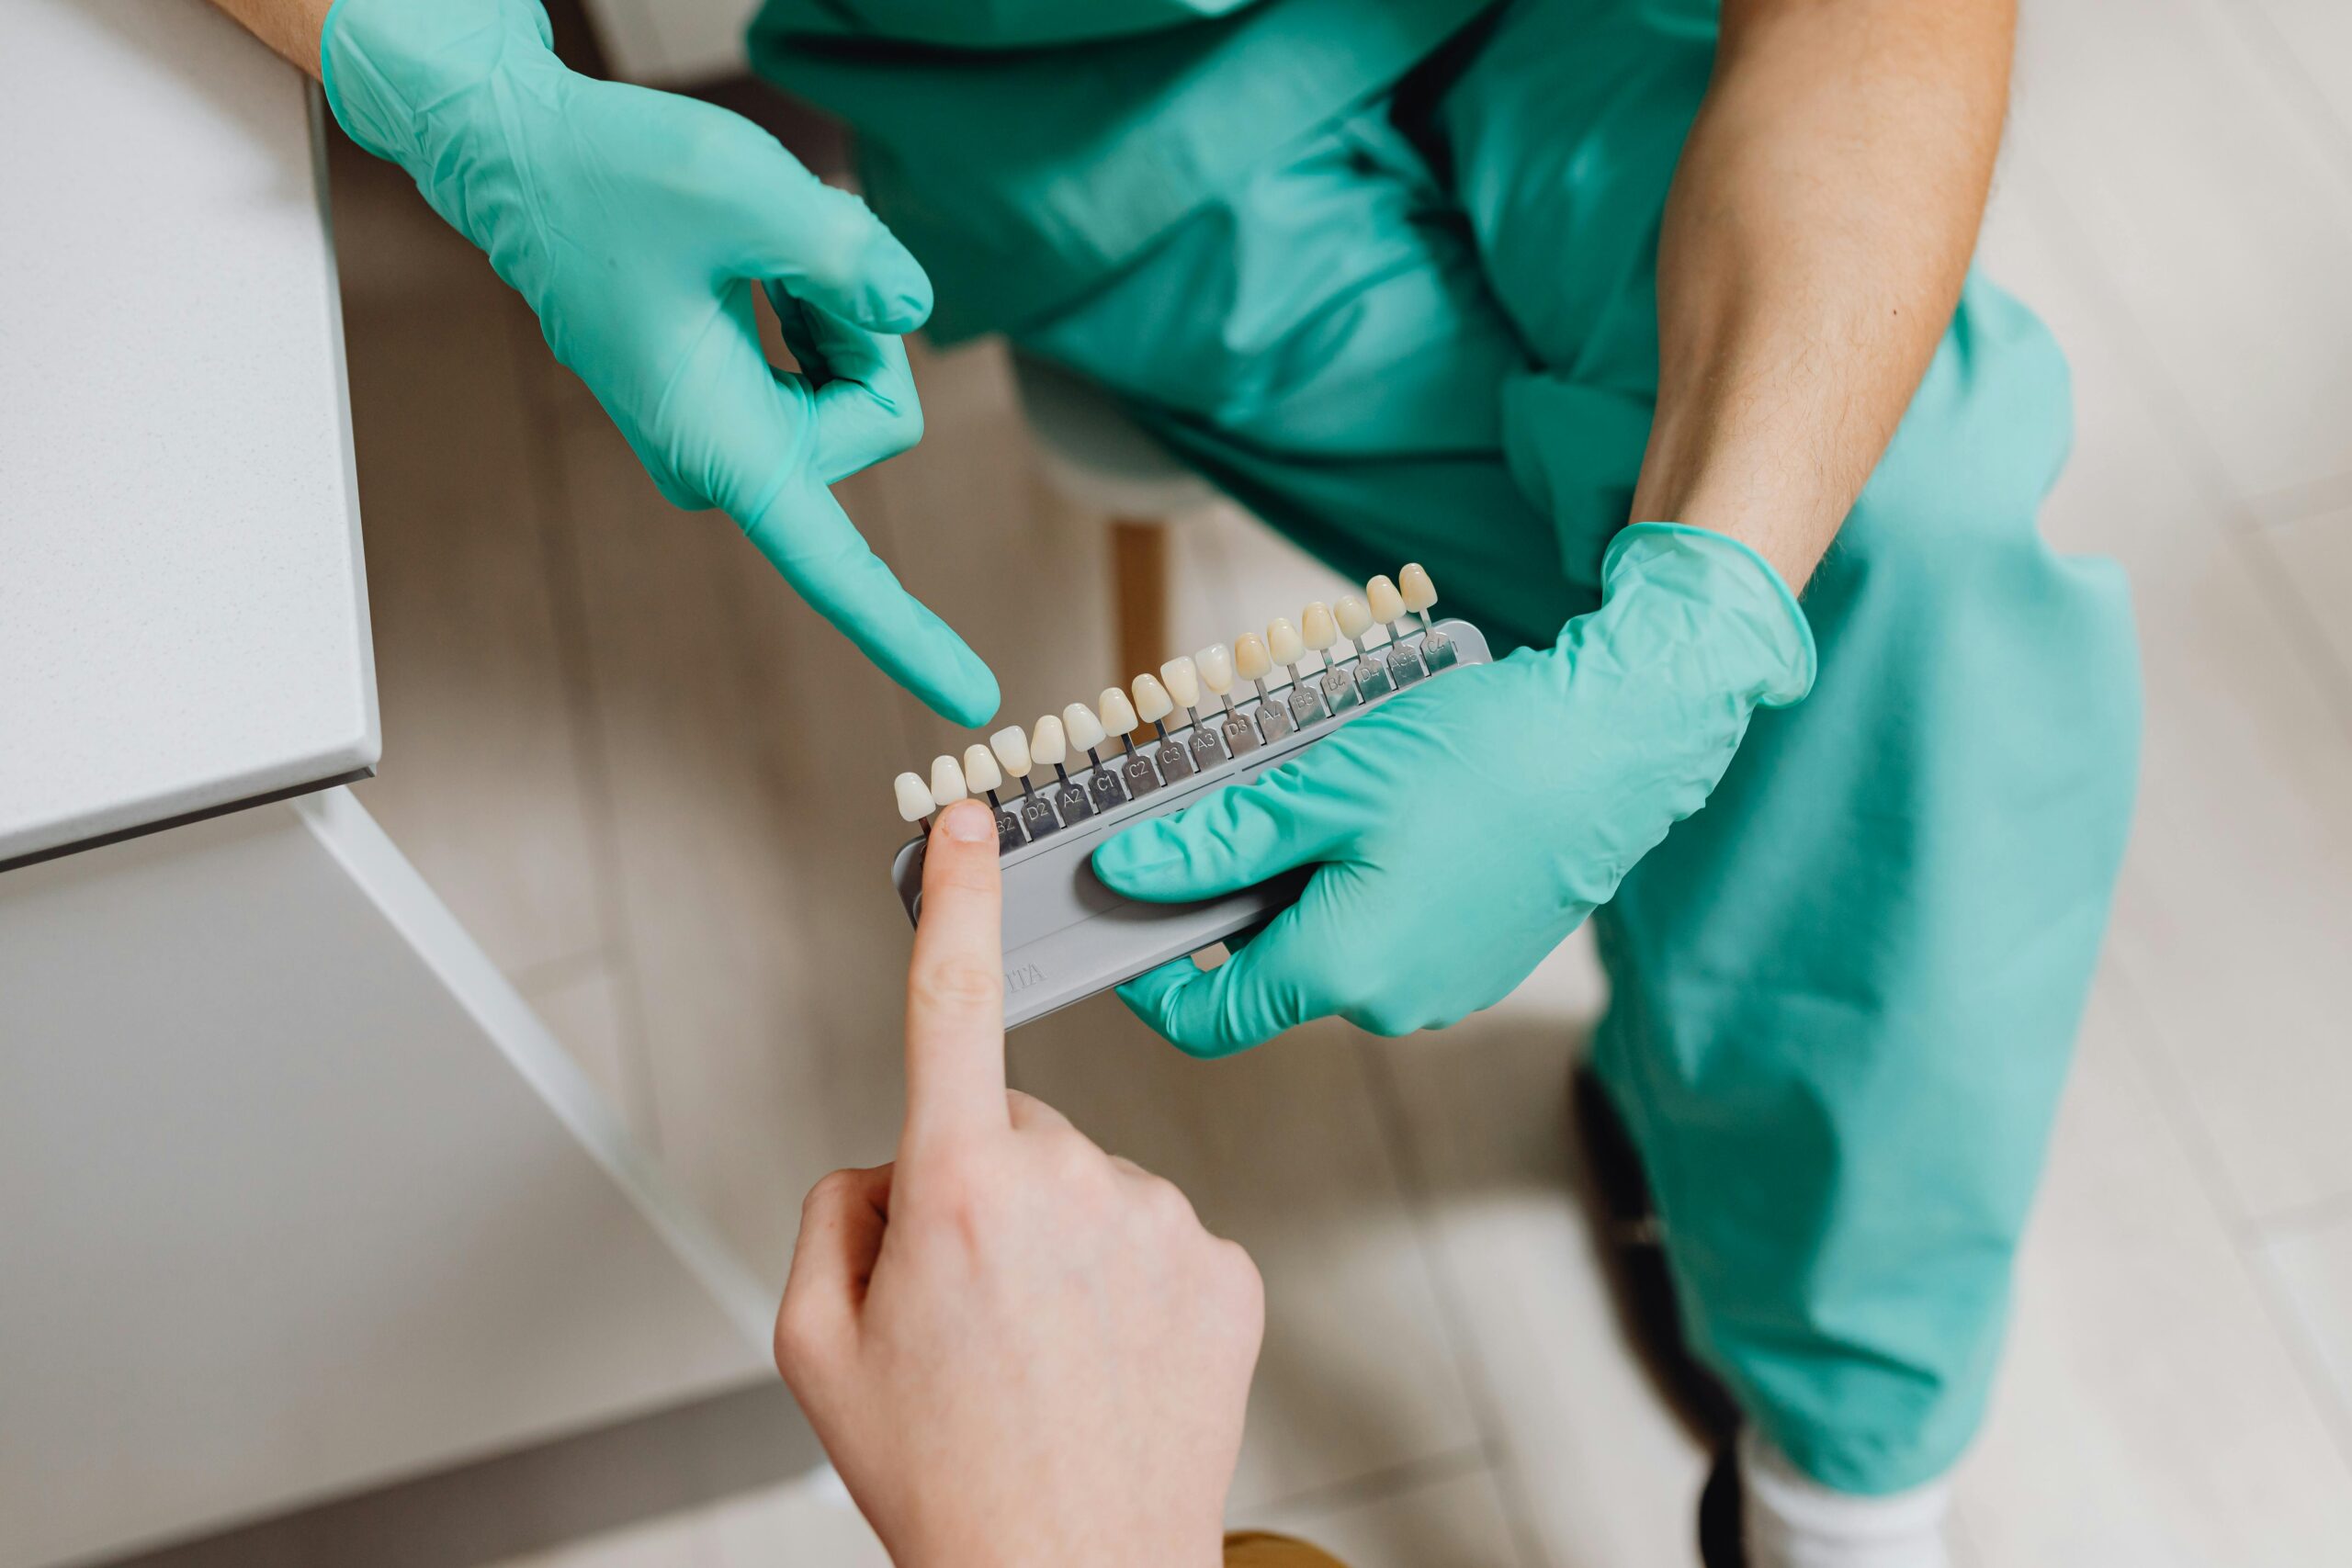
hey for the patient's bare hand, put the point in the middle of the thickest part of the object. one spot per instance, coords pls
(1017, 1348)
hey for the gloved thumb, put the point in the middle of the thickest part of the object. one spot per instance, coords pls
(827, 247)
(1235, 837)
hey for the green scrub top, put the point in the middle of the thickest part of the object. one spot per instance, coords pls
(1027, 149)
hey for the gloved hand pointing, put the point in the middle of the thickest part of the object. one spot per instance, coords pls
(1463, 830)
(636, 224)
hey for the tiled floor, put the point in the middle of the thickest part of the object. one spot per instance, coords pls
(655, 787)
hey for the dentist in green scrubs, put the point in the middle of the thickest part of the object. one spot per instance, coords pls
(1654, 332)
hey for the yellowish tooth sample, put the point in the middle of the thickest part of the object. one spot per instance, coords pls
(1250, 660)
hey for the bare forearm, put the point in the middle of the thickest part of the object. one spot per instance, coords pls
(289, 27)
(1815, 244)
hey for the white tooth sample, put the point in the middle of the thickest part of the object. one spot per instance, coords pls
(1118, 714)
(1282, 641)
(1215, 664)
(947, 783)
(1388, 604)
(1420, 593)
(914, 797)
(1316, 629)
(1048, 747)
(979, 769)
(1354, 618)
(1085, 730)
(1151, 699)
(1182, 679)
(1012, 749)
(1250, 660)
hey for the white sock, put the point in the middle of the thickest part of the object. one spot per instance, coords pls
(1792, 1521)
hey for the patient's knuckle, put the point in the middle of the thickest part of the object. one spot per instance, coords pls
(964, 1190)
(831, 1190)
(1073, 1164)
(1166, 1204)
(1235, 1276)
(796, 1340)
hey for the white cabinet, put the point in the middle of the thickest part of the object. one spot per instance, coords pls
(296, 1195)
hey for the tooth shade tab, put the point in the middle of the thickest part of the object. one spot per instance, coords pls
(1250, 660)
(914, 797)
(1282, 641)
(1048, 745)
(1012, 748)
(1354, 619)
(947, 783)
(1387, 604)
(1316, 627)
(1418, 591)
(1118, 714)
(1214, 665)
(1151, 699)
(1182, 679)
(1085, 730)
(979, 769)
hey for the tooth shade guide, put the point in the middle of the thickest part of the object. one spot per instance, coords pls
(1187, 733)
(1065, 936)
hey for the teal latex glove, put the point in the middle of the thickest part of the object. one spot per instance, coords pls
(1463, 830)
(638, 224)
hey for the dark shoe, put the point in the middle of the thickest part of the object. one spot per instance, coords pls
(1617, 1195)
(1722, 1542)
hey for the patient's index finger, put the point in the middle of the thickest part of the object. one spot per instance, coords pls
(956, 989)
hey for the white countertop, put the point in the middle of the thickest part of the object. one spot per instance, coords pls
(183, 608)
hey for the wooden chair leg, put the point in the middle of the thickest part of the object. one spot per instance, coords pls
(1139, 594)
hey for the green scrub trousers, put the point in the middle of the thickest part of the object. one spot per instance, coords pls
(1844, 995)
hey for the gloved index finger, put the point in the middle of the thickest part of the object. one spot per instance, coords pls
(955, 985)
(803, 530)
